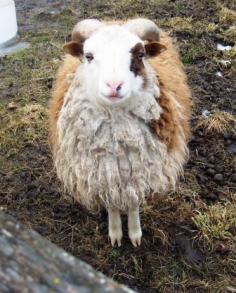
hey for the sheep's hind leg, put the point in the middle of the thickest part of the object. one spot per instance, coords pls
(115, 226)
(135, 231)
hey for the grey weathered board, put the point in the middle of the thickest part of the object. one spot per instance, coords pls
(31, 263)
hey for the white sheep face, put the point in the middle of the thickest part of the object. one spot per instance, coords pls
(107, 71)
(114, 68)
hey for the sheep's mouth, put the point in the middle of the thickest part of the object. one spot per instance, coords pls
(115, 98)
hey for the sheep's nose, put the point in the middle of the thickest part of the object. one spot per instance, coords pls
(114, 87)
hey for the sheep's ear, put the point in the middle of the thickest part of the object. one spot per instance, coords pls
(73, 48)
(154, 48)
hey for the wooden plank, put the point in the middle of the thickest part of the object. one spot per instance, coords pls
(31, 263)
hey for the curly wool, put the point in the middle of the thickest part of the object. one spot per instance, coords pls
(109, 156)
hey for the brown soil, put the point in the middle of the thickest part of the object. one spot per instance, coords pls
(188, 243)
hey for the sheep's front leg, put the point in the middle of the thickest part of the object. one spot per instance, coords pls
(115, 226)
(135, 232)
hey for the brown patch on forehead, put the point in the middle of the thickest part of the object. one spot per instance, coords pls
(136, 65)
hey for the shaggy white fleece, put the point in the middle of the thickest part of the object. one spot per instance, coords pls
(108, 155)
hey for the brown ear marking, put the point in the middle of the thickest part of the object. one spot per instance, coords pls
(154, 48)
(73, 48)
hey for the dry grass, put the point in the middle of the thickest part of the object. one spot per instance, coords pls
(218, 122)
(227, 16)
(181, 24)
(230, 34)
(231, 54)
(215, 222)
(29, 188)
(211, 27)
(25, 125)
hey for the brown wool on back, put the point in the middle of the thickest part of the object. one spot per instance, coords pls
(60, 88)
(173, 85)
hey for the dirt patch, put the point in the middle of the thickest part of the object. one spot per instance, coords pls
(189, 236)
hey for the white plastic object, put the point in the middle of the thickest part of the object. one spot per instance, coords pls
(8, 23)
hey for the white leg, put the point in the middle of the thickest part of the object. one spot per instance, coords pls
(115, 226)
(135, 232)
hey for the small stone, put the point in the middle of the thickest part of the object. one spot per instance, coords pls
(233, 177)
(233, 136)
(200, 133)
(232, 148)
(225, 63)
(202, 152)
(226, 135)
(201, 178)
(210, 171)
(232, 230)
(211, 166)
(205, 113)
(12, 106)
(222, 249)
(221, 47)
(219, 169)
(211, 196)
(219, 74)
(218, 177)
(212, 159)
(193, 138)
(222, 197)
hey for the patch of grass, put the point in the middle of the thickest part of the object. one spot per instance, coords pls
(180, 24)
(215, 223)
(211, 27)
(113, 255)
(123, 9)
(227, 16)
(168, 275)
(218, 122)
(188, 25)
(27, 82)
(179, 7)
(151, 2)
(230, 34)
(29, 186)
(192, 54)
(231, 54)
(26, 125)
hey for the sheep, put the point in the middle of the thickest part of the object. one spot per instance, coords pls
(119, 118)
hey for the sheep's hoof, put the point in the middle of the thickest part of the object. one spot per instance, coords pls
(135, 237)
(115, 236)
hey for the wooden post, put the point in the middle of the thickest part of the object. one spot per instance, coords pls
(31, 263)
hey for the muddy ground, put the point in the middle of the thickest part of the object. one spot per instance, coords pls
(189, 236)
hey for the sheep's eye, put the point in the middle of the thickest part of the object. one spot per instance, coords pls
(89, 57)
(140, 55)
